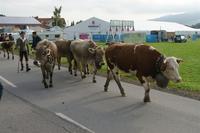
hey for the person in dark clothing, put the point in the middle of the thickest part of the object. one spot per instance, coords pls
(1, 90)
(22, 45)
(2, 38)
(36, 39)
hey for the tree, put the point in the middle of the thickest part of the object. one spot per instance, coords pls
(57, 20)
(72, 23)
(196, 26)
(79, 22)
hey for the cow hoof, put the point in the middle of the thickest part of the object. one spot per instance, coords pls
(83, 77)
(13, 58)
(46, 86)
(147, 99)
(106, 89)
(75, 74)
(123, 95)
(50, 85)
(94, 81)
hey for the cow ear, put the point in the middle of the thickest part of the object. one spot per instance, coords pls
(179, 60)
(91, 50)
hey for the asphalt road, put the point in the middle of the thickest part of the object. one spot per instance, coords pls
(86, 103)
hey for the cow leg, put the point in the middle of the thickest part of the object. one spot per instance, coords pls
(59, 60)
(94, 73)
(70, 65)
(107, 80)
(44, 77)
(87, 69)
(75, 67)
(4, 53)
(8, 54)
(50, 81)
(47, 74)
(12, 54)
(83, 70)
(117, 80)
(146, 86)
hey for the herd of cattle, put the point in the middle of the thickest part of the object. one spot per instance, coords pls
(145, 61)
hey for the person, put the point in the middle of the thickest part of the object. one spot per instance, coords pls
(1, 90)
(36, 39)
(2, 38)
(22, 45)
(10, 37)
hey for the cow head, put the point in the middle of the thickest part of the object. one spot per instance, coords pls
(98, 53)
(44, 55)
(170, 69)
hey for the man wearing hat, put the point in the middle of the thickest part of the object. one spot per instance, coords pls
(22, 45)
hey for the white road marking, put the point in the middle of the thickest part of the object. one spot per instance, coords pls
(8, 82)
(72, 121)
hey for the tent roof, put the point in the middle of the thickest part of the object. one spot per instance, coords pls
(156, 25)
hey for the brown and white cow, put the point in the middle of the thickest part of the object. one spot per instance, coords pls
(145, 60)
(87, 52)
(8, 45)
(63, 47)
(46, 55)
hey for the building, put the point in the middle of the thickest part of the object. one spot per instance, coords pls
(86, 29)
(47, 22)
(15, 24)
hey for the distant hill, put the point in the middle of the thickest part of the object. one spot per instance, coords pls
(189, 19)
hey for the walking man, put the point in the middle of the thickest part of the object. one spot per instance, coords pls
(36, 39)
(22, 45)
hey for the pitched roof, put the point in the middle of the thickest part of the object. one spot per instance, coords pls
(18, 21)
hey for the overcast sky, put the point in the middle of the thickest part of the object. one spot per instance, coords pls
(104, 9)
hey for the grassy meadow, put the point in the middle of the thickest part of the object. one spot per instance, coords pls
(189, 69)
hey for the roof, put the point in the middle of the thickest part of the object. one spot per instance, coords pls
(18, 21)
(156, 25)
(87, 25)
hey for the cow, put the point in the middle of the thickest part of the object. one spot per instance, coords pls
(148, 64)
(63, 47)
(8, 46)
(87, 52)
(45, 58)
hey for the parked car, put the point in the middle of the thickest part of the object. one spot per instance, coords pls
(180, 39)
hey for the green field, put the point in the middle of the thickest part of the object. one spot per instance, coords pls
(189, 69)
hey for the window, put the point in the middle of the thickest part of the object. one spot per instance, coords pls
(57, 36)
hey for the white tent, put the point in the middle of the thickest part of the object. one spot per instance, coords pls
(168, 26)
